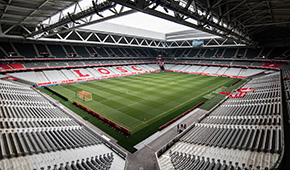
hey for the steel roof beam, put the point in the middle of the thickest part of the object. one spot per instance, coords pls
(5, 8)
(74, 17)
(205, 23)
(264, 11)
(268, 24)
(24, 7)
(91, 22)
(41, 5)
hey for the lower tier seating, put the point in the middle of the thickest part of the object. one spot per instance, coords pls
(240, 133)
(214, 70)
(36, 134)
(65, 75)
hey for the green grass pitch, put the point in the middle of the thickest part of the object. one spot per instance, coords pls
(142, 103)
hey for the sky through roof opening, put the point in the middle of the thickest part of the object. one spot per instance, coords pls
(148, 22)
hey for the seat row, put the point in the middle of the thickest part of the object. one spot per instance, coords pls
(101, 162)
(243, 120)
(31, 112)
(182, 161)
(20, 123)
(268, 109)
(286, 78)
(248, 137)
(264, 95)
(241, 101)
(9, 86)
(25, 103)
(18, 91)
(21, 97)
(266, 80)
(269, 84)
(36, 141)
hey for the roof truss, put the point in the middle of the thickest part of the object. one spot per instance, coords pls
(193, 14)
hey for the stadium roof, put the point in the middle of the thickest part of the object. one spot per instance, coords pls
(30, 12)
(145, 25)
(246, 21)
(148, 22)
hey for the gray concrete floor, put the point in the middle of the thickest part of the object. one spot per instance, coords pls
(144, 159)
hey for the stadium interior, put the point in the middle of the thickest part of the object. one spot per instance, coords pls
(241, 123)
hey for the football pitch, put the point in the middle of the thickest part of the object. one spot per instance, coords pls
(142, 103)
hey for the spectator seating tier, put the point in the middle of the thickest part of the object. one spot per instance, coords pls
(240, 133)
(36, 134)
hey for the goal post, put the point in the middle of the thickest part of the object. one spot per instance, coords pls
(86, 96)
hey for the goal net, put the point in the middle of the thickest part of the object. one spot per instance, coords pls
(86, 96)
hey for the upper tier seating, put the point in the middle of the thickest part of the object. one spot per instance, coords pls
(229, 53)
(102, 52)
(32, 50)
(193, 53)
(252, 53)
(219, 53)
(241, 53)
(5, 67)
(143, 53)
(6, 46)
(241, 63)
(16, 65)
(277, 52)
(205, 62)
(69, 51)
(92, 51)
(117, 52)
(125, 52)
(210, 53)
(42, 49)
(151, 52)
(57, 51)
(179, 52)
(75, 63)
(201, 53)
(35, 64)
(223, 62)
(26, 50)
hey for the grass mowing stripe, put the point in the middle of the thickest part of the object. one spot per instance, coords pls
(187, 102)
(111, 112)
(217, 98)
(158, 97)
